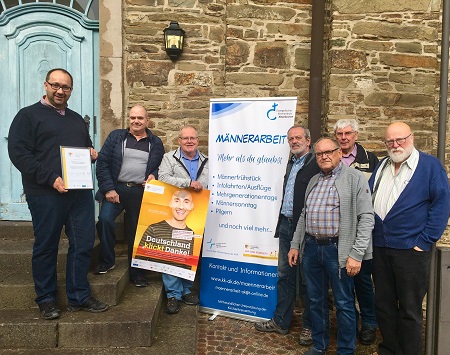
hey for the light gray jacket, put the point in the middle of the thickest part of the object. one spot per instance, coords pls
(356, 217)
(173, 171)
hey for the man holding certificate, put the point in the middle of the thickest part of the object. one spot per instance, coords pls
(36, 137)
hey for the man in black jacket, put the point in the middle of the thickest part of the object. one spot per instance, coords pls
(354, 155)
(128, 158)
(301, 167)
(34, 141)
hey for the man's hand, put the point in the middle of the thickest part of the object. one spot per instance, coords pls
(149, 178)
(94, 154)
(416, 248)
(58, 185)
(112, 196)
(353, 266)
(293, 257)
(197, 186)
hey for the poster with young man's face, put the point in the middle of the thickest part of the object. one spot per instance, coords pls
(170, 229)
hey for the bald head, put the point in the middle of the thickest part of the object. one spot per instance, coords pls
(399, 141)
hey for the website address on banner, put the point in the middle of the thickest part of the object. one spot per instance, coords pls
(242, 283)
(242, 308)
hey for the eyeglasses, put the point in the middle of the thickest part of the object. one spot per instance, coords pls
(186, 139)
(345, 134)
(56, 87)
(399, 141)
(326, 153)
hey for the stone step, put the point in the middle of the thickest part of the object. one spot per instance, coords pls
(130, 324)
(16, 230)
(16, 254)
(17, 287)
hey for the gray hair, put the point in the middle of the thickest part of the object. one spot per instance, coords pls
(334, 141)
(306, 130)
(345, 122)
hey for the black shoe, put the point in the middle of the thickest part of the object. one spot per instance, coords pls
(190, 299)
(91, 305)
(102, 269)
(173, 305)
(49, 310)
(367, 336)
(140, 281)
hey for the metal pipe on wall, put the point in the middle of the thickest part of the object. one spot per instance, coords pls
(432, 316)
(316, 65)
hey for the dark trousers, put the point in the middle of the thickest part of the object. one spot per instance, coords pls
(73, 210)
(401, 280)
(130, 201)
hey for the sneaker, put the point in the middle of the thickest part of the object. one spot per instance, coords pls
(173, 305)
(102, 269)
(367, 336)
(190, 299)
(91, 305)
(305, 337)
(313, 351)
(270, 326)
(49, 310)
(140, 281)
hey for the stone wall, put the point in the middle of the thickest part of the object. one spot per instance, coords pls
(385, 67)
(381, 62)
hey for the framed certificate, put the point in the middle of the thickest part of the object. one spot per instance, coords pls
(76, 168)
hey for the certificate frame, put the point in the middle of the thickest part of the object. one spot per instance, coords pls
(76, 168)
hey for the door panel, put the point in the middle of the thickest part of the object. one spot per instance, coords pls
(31, 44)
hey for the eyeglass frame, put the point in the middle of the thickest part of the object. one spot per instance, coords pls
(345, 134)
(390, 142)
(64, 88)
(327, 153)
(187, 139)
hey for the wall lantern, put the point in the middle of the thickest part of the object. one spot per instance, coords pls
(173, 40)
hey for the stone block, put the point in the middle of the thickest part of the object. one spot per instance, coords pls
(384, 30)
(379, 6)
(271, 55)
(348, 60)
(408, 61)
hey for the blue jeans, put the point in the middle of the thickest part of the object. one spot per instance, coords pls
(401, 281)
(73, 210)
(130, 201)
(176, 286)
(321, 267)
(286, 284)
(365, 296)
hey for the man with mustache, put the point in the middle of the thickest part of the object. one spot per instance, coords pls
(34, 141)
(184, 167)
(410, 192)
(128, 158)
(300, 168)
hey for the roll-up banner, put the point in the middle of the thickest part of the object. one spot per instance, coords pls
(248, 152)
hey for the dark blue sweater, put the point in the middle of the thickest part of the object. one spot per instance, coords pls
(34, 141)
(420, 215)
(110, 158)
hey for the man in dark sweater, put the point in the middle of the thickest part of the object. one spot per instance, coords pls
(301, 167)
(410, 193)
(34, 141)
(128, 158)
(356, 156)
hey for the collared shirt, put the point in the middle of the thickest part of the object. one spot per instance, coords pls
(61, 111)
(135, 159)
(288, 199)
(322, 206)
(191, 164)
(391, 185)
(348, 159)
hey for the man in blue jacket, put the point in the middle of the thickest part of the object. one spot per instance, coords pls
(128, 158)
(411, 201)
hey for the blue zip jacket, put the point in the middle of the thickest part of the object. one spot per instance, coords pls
(110, 158)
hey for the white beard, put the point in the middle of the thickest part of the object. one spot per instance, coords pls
(400, 154)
